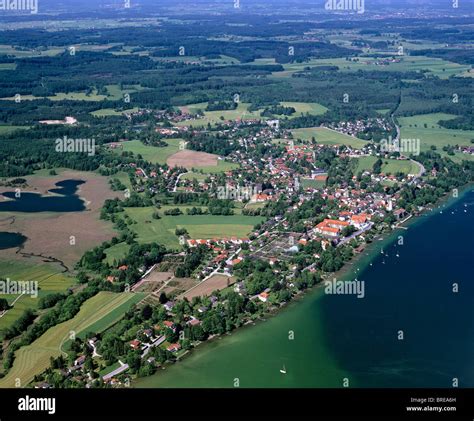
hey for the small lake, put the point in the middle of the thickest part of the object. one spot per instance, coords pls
(10, 240)
(67, 201)
(64, 199)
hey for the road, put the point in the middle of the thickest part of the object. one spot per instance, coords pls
(421, 168)
(158, 342)
(175, 188)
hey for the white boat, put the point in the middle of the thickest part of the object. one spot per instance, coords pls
(283, 370)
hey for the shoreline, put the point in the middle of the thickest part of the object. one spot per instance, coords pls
(360, 262)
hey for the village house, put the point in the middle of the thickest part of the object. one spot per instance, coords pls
(174, 348)
(135, 344)
(331, 227)
(263, 296)
(169, 305)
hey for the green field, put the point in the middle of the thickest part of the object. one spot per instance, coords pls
(422, 120)
(61, 96)
(213, 117)
(194, 175)
(221, 166)
(241, 112)
(9, 129)
(123, 177)
(7, 66)
(24, 52)
(315, 184)
(113, 316)
(438, 67)
(77, 96)
(199, 226)
(305, 108)
(414, 128)
(50, 280)
(327, 137)
(153, 154)
(110, 112)
(389, 166)
(117, 252)
(98, 313)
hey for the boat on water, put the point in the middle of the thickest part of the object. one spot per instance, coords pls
(283, 370)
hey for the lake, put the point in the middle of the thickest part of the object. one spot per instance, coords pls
(11, 240)
(67, 201)
(408, 291)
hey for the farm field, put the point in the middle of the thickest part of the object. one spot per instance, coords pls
(389, 166)
(205, 162)
(123, 178)
(9, 129)
(190, 159)
(24, 52)
(305, 108)
(110, 112)
(204, 289)
(435, 135)
(153, 154)
(327, 137)
(420, 120)
(221, 166)
(117, 252)
(50, 280)
(114, 94)
(199, 226)
(194, 175)
(438, 67)
(213, 117)
(61, 96)
(98, 312)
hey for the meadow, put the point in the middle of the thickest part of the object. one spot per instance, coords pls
(389, 166)
(50, 280)
(97, 314)
(110, 112)
(312, 183)
(326, 136)
(199, 226)
(10, 129)
(426, 128)
(214, 117)
(116, 252)
(435, 66)
(153, 154)
(305, 108)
